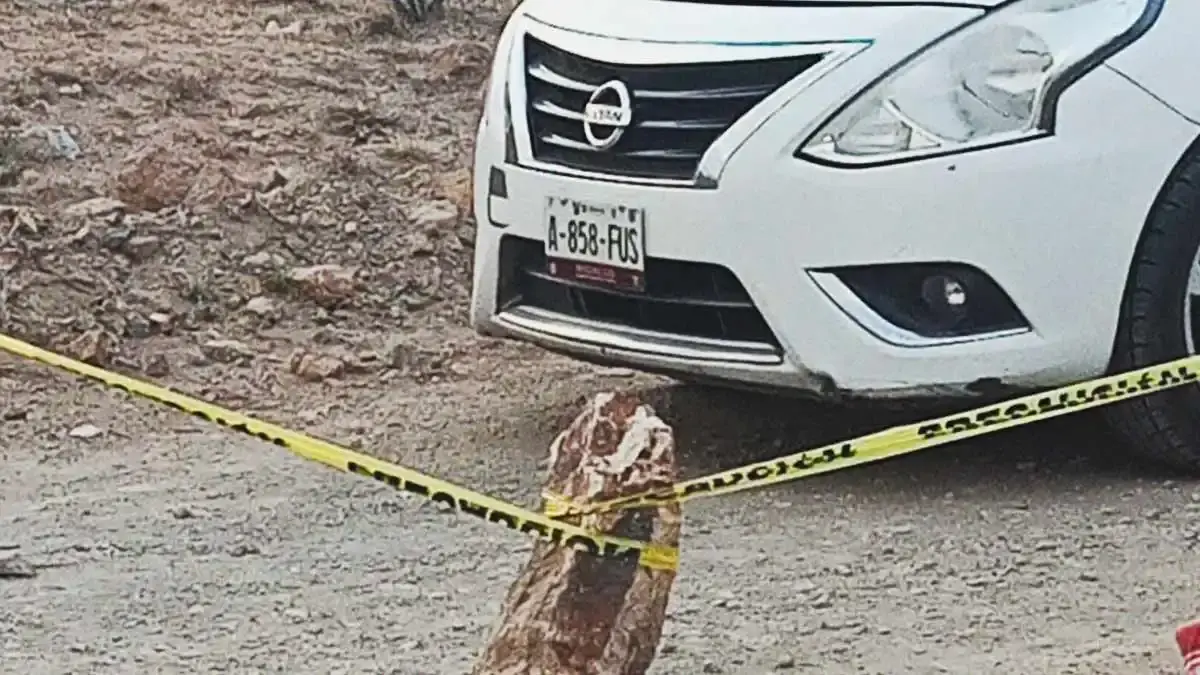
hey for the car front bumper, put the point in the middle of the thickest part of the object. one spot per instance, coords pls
(1054, 222)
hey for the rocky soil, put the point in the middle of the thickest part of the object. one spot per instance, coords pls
(265, 204)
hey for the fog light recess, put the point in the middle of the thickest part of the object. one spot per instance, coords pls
(933, 300)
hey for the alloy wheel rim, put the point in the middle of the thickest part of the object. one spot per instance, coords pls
(1191, 305)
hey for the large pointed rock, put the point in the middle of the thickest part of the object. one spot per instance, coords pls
(570, 613)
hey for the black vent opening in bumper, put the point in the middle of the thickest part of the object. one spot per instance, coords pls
(678, 109)
(689, 299)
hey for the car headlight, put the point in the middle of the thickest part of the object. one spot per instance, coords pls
(995, 80)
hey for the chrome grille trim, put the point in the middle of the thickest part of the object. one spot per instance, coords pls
(680, 109)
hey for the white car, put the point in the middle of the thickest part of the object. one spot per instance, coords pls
(897, 199)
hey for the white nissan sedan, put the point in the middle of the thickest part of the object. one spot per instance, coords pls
(852, 199)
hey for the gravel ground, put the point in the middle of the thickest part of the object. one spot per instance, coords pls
(167, 547)
(265, 204)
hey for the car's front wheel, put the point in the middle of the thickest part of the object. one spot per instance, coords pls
(1160, 321)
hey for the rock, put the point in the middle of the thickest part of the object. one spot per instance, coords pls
(140, 249)
(294, 28)
(260, 259)
(137, 327)
(260, 306)
(314, 367)
(161, 321)
(569, 613)
(85, 431)
(62, 144)
(275, 178)
(156, 365)
(326, 285)
(175, 166)
(154, 178)
(226, 351)
(440, 214)
(13, 566)
(184, 512)
(243, 549)
(406, 356)
(94, 346)
(417, 244)
(456, 187)
(95, 207)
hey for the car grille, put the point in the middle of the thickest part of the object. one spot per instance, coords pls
(681, 298)
(678, 109)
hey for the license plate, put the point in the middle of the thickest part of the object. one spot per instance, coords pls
(596, 243)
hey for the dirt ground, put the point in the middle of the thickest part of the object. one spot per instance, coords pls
(264, 204)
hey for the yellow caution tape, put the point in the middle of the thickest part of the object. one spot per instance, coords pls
(908, 438)
(432, 489)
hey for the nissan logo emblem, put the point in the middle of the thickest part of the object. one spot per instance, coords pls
(608, 112)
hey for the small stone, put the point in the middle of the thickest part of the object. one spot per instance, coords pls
(94, 346)
(260, 259)
(61, 143)
(226, 351)
(156, 365)
(405, 356)
(183, 512)
(91, 208)
(260, 306)
(137, 327)
(1088, 576)
(293, 28)
(13, 566)
(85, 431)
(326, 285)
(315, 367)
(786, 663)
(242, 550)
(161, 320)
(437, 214)
(142, 248)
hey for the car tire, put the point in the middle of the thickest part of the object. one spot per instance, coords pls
(1153, 327)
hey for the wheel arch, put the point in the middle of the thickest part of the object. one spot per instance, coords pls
(1191, 153)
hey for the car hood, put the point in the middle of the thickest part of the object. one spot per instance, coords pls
(742, 23)
(852, 3)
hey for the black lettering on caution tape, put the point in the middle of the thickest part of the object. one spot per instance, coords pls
(566, 535)
(1057, 402)
(512, 521)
